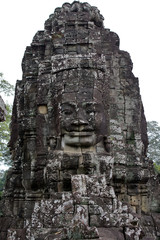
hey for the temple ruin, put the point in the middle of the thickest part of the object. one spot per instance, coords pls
(79, 138)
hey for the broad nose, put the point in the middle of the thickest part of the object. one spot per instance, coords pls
(80, 119)
(78, 122)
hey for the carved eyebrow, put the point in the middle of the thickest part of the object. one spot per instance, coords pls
(91, 104)
(72, 104)
(86, 104)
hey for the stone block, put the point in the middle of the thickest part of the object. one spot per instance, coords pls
(79, 185)
(70, 161)
(42, 109)
(145, 203)
(135, 200)
(111, 233)
(95, 210)
(95, 221)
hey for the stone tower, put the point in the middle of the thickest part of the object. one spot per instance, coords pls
(78, 138)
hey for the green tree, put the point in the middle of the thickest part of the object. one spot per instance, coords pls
(7, 89)
(5, 156)
(154, 143)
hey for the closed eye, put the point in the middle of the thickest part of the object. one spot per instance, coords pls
(67, 112)
(89, 111)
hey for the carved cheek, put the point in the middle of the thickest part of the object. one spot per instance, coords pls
(99, 119)
(91, 120)
(67, 121)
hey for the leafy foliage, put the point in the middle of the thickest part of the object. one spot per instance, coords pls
(5, 86)
(154, 143)
(7, 89)
(5, 136)
(157, 168)
(5, 158)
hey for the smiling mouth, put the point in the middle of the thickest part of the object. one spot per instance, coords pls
(80, 134)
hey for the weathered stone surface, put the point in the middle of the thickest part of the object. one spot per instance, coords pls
(79, 138)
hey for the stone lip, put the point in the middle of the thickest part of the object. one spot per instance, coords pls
(80, 134)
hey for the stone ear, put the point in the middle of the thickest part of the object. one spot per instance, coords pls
(108, 144)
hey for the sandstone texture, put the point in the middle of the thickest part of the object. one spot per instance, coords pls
(79, 138)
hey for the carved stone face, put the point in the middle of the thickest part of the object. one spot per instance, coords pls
(82, 120)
